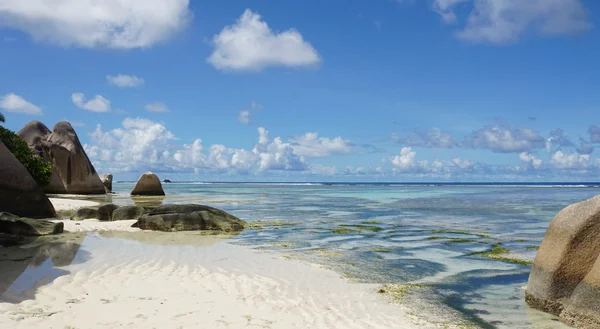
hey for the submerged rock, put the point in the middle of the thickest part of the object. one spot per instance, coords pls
(19, 192)
(148, 184)
(15, 225)
(107, 180)
(190, 217)
(128, 212)
(565, 278)
(72, 171)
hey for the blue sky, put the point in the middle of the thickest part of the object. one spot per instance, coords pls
(422, 90)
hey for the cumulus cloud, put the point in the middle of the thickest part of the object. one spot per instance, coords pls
(96, 104)
(434, 138)
(142, 144)
(505, 139)
(505, 21)
(406, 162)
(124, 81)
(158, 107)
(117, 24)
(563, 160)
(17, 104)
(250, 44)
(311, 145)
(529, 161)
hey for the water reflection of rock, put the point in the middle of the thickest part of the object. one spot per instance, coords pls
(148, 201)
(30, 254)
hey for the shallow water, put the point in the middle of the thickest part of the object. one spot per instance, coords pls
(420, 235)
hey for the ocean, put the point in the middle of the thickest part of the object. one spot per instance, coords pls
(454, 253)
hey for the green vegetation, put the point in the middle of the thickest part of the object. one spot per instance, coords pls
(381, 250)
(371, 223)
(262, 224)
(481, 235)
(283, 244)
(343, 230)
(497, 253)
(363, 227)
(461, 240)
(328, 253)
(40, 169)
(433, 238)
(533, 248)
(1, 117)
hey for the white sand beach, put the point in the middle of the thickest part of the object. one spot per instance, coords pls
(124, 278)
(62, 204)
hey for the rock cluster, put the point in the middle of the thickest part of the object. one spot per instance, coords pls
(565, 278)
(72, 171)
(168, 218)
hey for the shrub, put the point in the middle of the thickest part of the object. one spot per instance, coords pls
(39, 168)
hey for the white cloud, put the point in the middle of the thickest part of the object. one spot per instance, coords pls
(505, 21)
(14, 103)
(118, 24)
(461, 163)
(250, 44)
(311, 145)
(244, 117)
(444, 8)
(142, 144)
(158, 107)
(96, 104)
(124, 81)
(563, 160)
(530, 161)
(406, 162)
(277, 155)
(505, 139)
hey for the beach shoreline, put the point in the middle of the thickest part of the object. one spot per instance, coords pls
(124, 277)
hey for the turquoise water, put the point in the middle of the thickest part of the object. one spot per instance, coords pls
(428, 239)
(421, 236)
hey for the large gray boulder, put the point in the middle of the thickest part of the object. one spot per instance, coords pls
(128, 212)
(72, 171)
(107, 180)
(105, 213)
(564, 276)
(19, 192)
(190, 217)
(148, 184)
(85, 213)
(15, 225)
